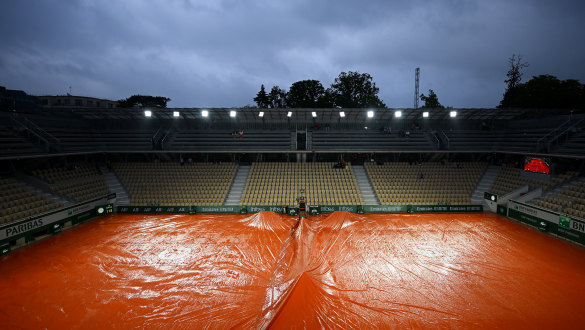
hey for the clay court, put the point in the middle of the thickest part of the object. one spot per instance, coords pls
(266, 270)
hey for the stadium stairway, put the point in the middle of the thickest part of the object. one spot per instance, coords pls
(235, 195)
(365, 185)
(484, 184)
(122, 196)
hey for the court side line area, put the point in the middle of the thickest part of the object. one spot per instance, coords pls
(266, 270)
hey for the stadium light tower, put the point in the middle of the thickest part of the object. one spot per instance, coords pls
(416, 78)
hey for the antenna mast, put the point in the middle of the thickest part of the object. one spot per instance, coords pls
(416, 78)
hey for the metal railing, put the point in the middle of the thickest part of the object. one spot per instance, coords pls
(559, 134)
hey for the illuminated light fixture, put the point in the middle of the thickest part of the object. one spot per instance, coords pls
(176, 114)
(204, 113)
(101, 210)
(453, 114)
(289, 114)
(148, 113)
(370, 114)
(314, 114)
(493, 197)
(232, 113)
(426, 114)
(341, 114)
(398, 114)
(261, 114)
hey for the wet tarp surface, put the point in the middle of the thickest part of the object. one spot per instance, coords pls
(340, 270)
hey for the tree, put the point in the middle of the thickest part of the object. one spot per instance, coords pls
(307, 94)
(355, 90)
(547, 91)
(261, 98)
(431, 101)
(144, 101)
(514, 76)
(277, 98)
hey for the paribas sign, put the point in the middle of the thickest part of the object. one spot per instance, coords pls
(23, 227)
(10, 230)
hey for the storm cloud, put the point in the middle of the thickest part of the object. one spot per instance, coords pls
(217, 53)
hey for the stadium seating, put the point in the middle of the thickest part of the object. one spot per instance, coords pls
(12, 144)
(371, 140)
(509, 179)
(18, 202)
(171, 184)
(402, 184)
(570, 201)
(281, 183)
(187, 140)
(80, 139)
(575, 145)
(525, 140)
(79, 183)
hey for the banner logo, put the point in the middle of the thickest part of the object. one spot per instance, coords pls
(564, 222)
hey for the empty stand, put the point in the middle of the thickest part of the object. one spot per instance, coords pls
(570, 201)
(79, 183)
(222, 140)
(427, 183)
(18, 202)
(280, 184)
(509, 179)
(11, 144)
(574, 145)
(171, 184)
(371, 140)
(81, 139)
(525, 140)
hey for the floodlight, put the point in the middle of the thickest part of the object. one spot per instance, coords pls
(148, 113)
(398, 114)
(232, 113)
(204, 113)
(426, 114)
(176, 114)
(314, 114)
(261, 114)
(341, 114)
(370, 114)
(453, 114)
(289, 114)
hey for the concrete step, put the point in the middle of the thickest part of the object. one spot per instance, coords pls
(365, 185)
(238, 184)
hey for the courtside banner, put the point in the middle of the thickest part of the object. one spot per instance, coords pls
(83, 210)
(218, 209)
(445, 208)
(154, 209)
(385, 208)
(561, 225)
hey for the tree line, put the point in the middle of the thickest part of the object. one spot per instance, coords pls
(358, 90)
(349, 90)
(542, 91)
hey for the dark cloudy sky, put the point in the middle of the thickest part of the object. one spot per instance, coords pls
(216, 53)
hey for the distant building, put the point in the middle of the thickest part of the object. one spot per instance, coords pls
(14, 100)
(72, 101)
